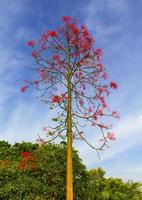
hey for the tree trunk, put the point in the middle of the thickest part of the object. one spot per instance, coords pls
(69, 178)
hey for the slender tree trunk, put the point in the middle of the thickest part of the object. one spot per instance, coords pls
(69, 178)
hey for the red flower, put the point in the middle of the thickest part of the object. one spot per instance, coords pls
(56, 57)
(22, 165)
(52, 33)
(90, 109)
(102, 100)
(74, 42)
(104, 75)
(79, 74)
(115, 114)
(75, 30)
(36, 82)
(31, 43)
(113, 85)
(42, 73)
(111, 136)
(98, 53)
(81, 101)
(24, 88)
(44, 36)
(25, 154)
(100, 67)
(66, 18)
(35, 54)
(55, 99)
(45, 129)
(100, 112)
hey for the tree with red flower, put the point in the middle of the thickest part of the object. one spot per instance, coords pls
(69, 69)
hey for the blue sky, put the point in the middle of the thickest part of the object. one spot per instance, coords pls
(117, 29)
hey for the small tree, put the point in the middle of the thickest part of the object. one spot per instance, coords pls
(72, 78)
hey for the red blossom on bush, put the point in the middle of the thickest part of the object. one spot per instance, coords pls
(27, 162)
(25, 154)
(22, 165)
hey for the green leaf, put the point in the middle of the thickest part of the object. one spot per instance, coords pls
(55, 119)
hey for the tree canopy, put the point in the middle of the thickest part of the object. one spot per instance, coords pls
(43, 175)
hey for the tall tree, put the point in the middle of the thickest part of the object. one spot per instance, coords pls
(72, 78)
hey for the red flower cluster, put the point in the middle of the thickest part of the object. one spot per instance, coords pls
(25, 154)
(81, 101)
(100, 67)
(104, 75)
(98, 53)
(102, 100)
(113, 85)
(66, 18)
(115, 114)
(85, 40)
(31, 43)
(79, 74)
(56, 57)
(24, 89)
(28, 161)
(35, 54)
(42, 73)
(111, 136)
(55, 99)
(52, 33)
(97, 114)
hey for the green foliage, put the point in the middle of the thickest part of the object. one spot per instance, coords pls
(47, 180)
(112, 188)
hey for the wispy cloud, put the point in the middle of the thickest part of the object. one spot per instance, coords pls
(25, 123)
(126, 171)
(128, 136)
(106, 18)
